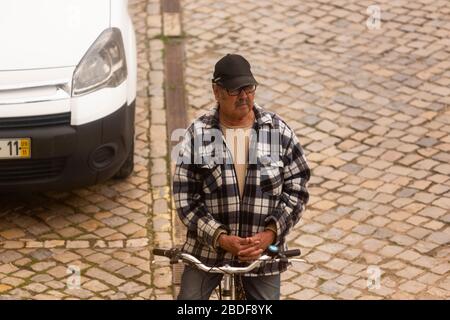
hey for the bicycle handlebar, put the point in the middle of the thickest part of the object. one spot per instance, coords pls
(162, 252)
(291, 253)
(176, 255)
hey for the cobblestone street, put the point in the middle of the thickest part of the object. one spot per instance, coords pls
(370, 106)
(106, 231)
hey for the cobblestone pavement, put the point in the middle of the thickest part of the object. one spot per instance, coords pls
(103, 232)
(371, 108)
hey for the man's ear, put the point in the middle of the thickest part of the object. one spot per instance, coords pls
(216, 91)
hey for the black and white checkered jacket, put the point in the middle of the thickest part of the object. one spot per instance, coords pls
(206, 190)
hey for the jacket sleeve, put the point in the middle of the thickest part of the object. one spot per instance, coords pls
(189, 197)
(294, 196)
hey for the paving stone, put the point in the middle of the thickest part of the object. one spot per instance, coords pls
(383, 233)
(424, 246)
(129, 272)
(350, 254)
(114, 221)
(42, 278)
(289, 288)
(308, 240)
(331, 247)
(318, 256)
(58, 272)
(364, 229)
(79, 293)
(324, 205)
(345, 279)
(322, 297)
(337, 264)
(378, 221)
(36, 287)
(23, 274)
(160, 206)
(13, 282)
(442, 268)
(345, 224)
(331, 287)
(130, 288)
(372, 245)
(77, 244)
(12, 234)
(349, 294)
(428, 278)
(104, 276)
(409, 272)
(133, 243)
(403, 240)
(129, 228)
(440, 238)
(41, 266)
(8, 268)
(352, 239)
(409, 255)
(305, 294)
(391, 250)
(307, 280)
(332, 234)
(437, 292)
(4, 288)
(425, 262)
(9, 256)
(432, 212)
(434, 225)
(162, 280)
(354, 268)
(323, 274)
(66, 257)
(412, 287)
(378, 147)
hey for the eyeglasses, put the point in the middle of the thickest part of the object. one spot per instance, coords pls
(247, 89)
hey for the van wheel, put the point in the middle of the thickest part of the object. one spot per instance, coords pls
(127, 168)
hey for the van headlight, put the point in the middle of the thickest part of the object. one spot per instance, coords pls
(103, 65)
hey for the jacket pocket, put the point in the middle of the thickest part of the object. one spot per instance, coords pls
(271, 181)
(212, 177)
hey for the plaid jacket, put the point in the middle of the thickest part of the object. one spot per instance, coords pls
(206, 191)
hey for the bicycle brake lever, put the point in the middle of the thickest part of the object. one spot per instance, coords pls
(283, 258)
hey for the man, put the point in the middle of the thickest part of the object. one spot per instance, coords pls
(239, 185)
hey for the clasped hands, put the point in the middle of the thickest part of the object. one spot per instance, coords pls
(247, 249)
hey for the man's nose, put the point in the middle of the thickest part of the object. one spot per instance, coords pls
(242, 93)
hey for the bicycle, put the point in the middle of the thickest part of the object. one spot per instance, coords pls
(231, 289)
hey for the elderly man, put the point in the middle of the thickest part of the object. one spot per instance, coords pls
(239, 185)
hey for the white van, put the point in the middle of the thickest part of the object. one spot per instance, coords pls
(67, 93)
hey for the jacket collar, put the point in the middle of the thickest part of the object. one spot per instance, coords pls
(262, 117)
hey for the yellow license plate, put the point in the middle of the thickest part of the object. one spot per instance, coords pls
(14, 148)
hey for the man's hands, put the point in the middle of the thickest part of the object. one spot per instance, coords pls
(265, 238)
(237, 245)
(247, 249)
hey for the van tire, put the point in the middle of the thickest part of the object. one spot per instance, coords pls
(127, 168)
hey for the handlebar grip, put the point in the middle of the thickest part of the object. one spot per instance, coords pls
(162, 252)
(291, 253)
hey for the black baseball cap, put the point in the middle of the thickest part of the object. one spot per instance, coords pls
(233, 72)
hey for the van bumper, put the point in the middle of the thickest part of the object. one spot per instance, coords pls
(65, 157)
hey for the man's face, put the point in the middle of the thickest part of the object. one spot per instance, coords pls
(234, 106)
